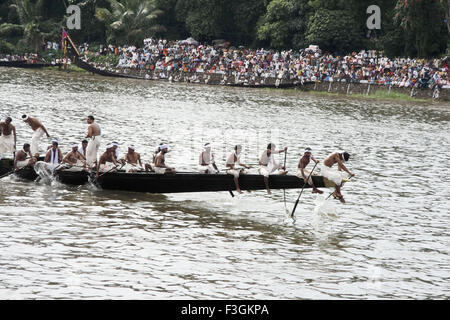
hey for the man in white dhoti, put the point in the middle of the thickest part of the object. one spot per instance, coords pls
(132, 160)
(333, 175)
(233, 159)
(206, 163)
(304, 173)
(107, 161)
(52, 159)
(24, 158)
(7, 137)
(268, 165)
(74, 159)
(39, 131)
(160, 165)
(94, 139)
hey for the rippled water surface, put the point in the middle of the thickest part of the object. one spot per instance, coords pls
(390, 240)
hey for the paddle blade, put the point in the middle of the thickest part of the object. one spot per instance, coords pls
(293, 210)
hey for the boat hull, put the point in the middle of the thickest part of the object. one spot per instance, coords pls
(195, 182)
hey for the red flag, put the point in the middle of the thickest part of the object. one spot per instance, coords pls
(64, 35)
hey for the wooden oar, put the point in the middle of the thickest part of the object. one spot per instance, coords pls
(304, 184)
(7, 174)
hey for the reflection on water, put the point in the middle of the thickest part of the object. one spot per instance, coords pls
(390, 240)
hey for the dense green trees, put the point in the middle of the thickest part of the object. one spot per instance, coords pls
(408, 27)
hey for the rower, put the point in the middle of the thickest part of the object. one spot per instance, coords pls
(52, 159)
(233, 158)
(24, 158)
(206, 163)
(160, 166)
(83, 147)
(268, 165)
(75, 159)
(94, 138)
(107, 161)
(304, 173)
(115, 148)
(7, 137)
(132, 160)
(335, 176)
(39, 131)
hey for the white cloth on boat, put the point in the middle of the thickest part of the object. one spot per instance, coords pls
(6, 144)
(331, 174)
(306, 172)
(78, 166)
(34, 146)
(267, 170)
(108, 166)
(160, 170)
(22, 164)
(92, 149)
(207, 169)
(236, 172)
(269, 165)
(129, 166)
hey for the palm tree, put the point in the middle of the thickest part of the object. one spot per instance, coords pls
(29, 13)
(130, 20)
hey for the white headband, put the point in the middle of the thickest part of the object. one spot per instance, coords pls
(109, 146)
(25, 119)
(164, 146)
(74, 145)
(131, 147)
(114, 144)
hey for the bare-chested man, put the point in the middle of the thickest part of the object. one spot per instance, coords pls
(132, 160)
(206, 163)
(75, 159)
(304, 173)
(160, 166)
(335, 176)
(94, 138)
(233, 159)
(107, 161)
(24, 158)
(39, 131)
(7, 137)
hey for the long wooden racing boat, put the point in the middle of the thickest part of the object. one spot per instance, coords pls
(197, 182)
(170, 183)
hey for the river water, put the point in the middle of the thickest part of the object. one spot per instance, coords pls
(390, 240)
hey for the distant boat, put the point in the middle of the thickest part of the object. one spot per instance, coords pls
(25, 64)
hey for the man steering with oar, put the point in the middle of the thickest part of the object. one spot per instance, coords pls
(333, 175)
(304, 173)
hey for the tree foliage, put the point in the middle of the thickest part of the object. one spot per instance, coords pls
(408, 27)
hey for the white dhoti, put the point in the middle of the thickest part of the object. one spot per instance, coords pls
(22, 164)
(306, 172)
(131, 167)
(332, 175)
(236, 172)
(37, 135)
(92, 150)
(267, 170)
(207, 169)
(78, 166)
(160, 170)
(108, 166)
(6, 144)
